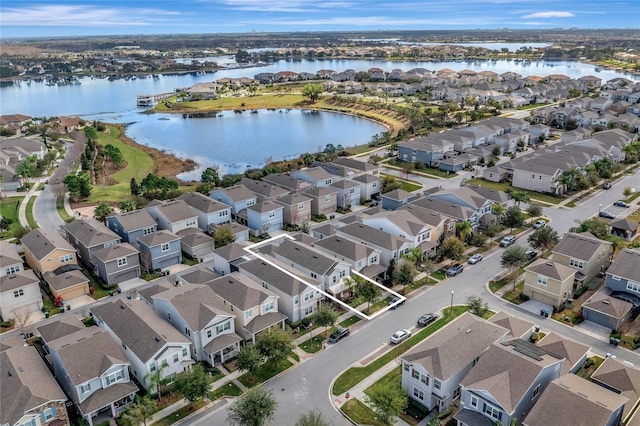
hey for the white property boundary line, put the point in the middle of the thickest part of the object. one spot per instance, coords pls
(400, 297)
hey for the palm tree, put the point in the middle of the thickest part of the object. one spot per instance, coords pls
(616, 243)
(101, 212)
(498, 209)
(414, 255)
(463, 228)
(520, 197)
(155, 378)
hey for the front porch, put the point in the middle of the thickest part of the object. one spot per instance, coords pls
(264, 322)
(222, 348)
(107, 403)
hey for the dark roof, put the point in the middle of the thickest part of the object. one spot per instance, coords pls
(262, 322)
(63, 327)
(199, 276)
(571, 350)
(232, 251)
(175, 211)
(579, 246)
(202, 203)
(551, 269)
(305, 256)
(107, 396)
(274, 277)
(110, 253)
(41, 242)
(348, 249)
(194, 237)
(65, 280)
(197, 304)
(625, 265)
(380, 238)
(625, 224)
(90, 233)
(8, 255)
(619, 378)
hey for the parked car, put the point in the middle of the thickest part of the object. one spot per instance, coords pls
(393, 303)
(426, 319)
(607, 215)
(455, 270)
(475, 259)
(400, 336)
(507, 241)
(606, 185)
(338, 335)
(621, 204)
(539, 224)
(531, 254)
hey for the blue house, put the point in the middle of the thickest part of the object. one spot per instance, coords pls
(160, 250)
(238, 197)
(429, 150)
(132, 225)
(265, 217)
(397, 198)
(623, 277)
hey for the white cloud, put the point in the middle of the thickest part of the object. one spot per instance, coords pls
(284, 5)
(374, 21)
(549, 14)
(83, 15)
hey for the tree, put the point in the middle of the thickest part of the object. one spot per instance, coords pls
(477, 305)
(312, 418)
(194, 384)
(312, 91)
(616, 243)
(519, 197)
(135, 187)
(627, 191)
(249, 359)
(452, 249)
(126, 206)
(101, 212)
(368, 291)
(463, 228)
(593, 225)
(26, 169)
(387, 402)
(256, 408)
(534, 210)
(223, 236)
(404, 273)
(513, 218)
(543, 238)
(275, 345)
(513, 258)
(389, 183)
(140, 411)
(210, 175)
(156, 378)
(21, 317)
(325, 316)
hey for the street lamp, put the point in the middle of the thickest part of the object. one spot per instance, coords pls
(599, 208)
(451, 302)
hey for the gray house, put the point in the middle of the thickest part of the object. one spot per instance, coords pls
(432, 370)
(390, 245)
(132, 225)
(196, 243)
(238, 197)
(574, 353)
(264, 217)
(362, 258)
(348, 193)
(264, 190)
(226, 258)
(623, 380)
(114, 264)
(392, 200)
(159, 250)
(173, 215)
(505, 383)
(297, 208)
(88, 236)
(209, 210)
(605, 310)
(623, 276)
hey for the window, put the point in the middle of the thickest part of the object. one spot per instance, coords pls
(114, 377)
(424, 379)
(300, 206)
(615, 277)
(406, 367)
(576, 263)
(110, 243)
(327, 198)
(152, 367)
(268, 306)
(418, 394)
(122, 261)
(223, 327)
(437, 384)
(209, 334)
(536, 391)
(415, 374)
(187, 331)
(633, 286)
(308, 310)
(191, 222)
(474, 402)
(492, 411)
(66, 258)
(250, 202)
(272, 214)
(176, 358)
(48, 414)
(169, 316)
(352, 191)
(308, 296)
(296, 300)
(248, 314)
(18, 293)
(375, 184)
(124, 346)
(314, 276)
(165, 247)
(223, 213)
(542, 280)
(85, 388)
(147, 231)
(184, 352)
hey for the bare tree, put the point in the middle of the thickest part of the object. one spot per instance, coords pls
(145, 260)
(21, 317)
(295, 216)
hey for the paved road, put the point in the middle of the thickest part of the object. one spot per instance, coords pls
(44, 210)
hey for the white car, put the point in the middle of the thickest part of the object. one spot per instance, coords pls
(539, 224)
(475, 259)
(400, 336)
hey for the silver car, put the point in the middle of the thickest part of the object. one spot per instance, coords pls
(400, 336)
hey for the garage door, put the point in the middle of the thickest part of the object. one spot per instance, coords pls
(74, 292)
(126, 276)
(543, 298)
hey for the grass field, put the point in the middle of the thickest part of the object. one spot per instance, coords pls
(139, 165)
(360, 413)
(9, 210)
(409, 186)
(503, 186)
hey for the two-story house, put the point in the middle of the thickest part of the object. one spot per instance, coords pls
(296, 208)
(390, 245)
(324, 200)
(316, 176)
(117, 263)
(46, 251)
(622, 379)
(505, 383)
(433, 369)
(237, 197)
(584, 252)
(539, 174)
(29, 395)
(173, 215)
(590, 404)
(10, 260)
(264, 190)
(348, 193)
(199, 314)
(226, 258)
(296, 300)
(255, 307)
(87, 236)
(362, 258)
(159, 250)
(210, 211)
(93, 371)
(623, 276)
(19, 295)
(150, 344)
(132, 225)
(404, 224)
(574, 353)
(264, 217)
(397, 198)
(370, 186)
(549, 282)
(288, 182)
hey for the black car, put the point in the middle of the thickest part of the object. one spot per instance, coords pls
(621, 204)
(393, 302)
(339, 334)
(606, 215)
(531, 254)
(455, 269)
(426, 319)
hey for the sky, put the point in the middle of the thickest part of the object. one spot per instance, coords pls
(29, 18)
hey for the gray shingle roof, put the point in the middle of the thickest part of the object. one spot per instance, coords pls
(8, 255)
(618, 376)
(625, 224)
(201, 202)
(625, 265)
(232, 251)
(569, 349)
(17, 280)
(106, 396)
(293, 199)
(90, 233)
(41, 242)
(87, 353)
(265, 206)
(66, 279)
(263, 188)
(176, 210)
(237, 193)
(455, 346)
(602, 301)
(63, 327)
(305, 256)
(355, 164)
(240, 291)
(157, 238)
(397, 195)
(344, 184)
(199, 276)
(194, 237)
(196, 303)
(517, 326)
(374, 236)
(551, 269)
(275, 277)
(26, 383)
(580, 246)
(136, 219)
(110, 253)
(138, 326)
(443, 207)
(344, 247)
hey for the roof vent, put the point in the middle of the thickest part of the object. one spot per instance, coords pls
(468, 330)
(549, 264)
(122, 307)
(606, 302)
(10, 373)
(157, 339)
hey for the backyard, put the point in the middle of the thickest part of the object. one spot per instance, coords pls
(9, 210)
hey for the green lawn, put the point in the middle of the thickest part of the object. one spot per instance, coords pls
(409, 187)
(139, 165)
(230, 389)
(62, 212)
(439, 274)
(359, 413)
(350, 321)
(264, 373)
(497, 285)
(355, 375)
(9, 210)
(504, 186)
(514, 296)
(180, 414)
(29, 213)
(313, 345)
(387, 381)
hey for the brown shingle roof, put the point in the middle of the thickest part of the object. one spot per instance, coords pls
(602, 301)
(176, 210)
(239, 290)
(60, 328)
(626, 265)
(618, 377)
(8, 255)
(580, 246)
(110, 253)
(202, 202)
(569, 349)
(17, 280)
(551, 269)
(90, 233)
(136, 219)
(157, 238)
(517, 326)
(41, 242)
(66, 279)
(196, 303)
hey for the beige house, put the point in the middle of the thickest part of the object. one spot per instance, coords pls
(548, 282)
(69, 285)
(583, 252)
(297, 209)
(46, 251)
